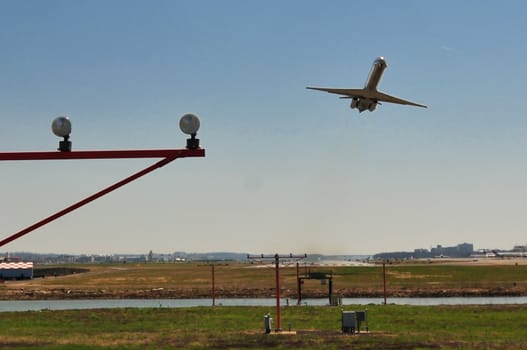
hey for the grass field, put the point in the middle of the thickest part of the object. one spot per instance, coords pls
(391, 327)
(245, 280)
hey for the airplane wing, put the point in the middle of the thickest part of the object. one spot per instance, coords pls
(348, 93)
(369, 94)
(379, 96)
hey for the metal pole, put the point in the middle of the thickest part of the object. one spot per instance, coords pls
(213, 288)
(276, 258)
(277, 275)
(384, 279)
(298, 285)
(330, 290)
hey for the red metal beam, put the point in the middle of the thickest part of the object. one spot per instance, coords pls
(159, 153)
(213, 287)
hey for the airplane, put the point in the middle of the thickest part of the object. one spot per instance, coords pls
(510, 254)
(369, 97)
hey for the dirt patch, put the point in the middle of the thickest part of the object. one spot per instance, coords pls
(163, 293)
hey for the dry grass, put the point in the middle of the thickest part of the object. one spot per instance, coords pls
(184, 280)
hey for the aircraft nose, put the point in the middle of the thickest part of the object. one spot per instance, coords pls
(380, 61)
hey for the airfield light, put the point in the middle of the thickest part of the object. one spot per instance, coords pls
(189, 124)
(61, 126)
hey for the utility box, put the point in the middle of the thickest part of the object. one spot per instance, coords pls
(268, 323)
(349, 321)
(362, 317)
(352, 321)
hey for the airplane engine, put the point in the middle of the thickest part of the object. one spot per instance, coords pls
(354, 103)
(372, 106)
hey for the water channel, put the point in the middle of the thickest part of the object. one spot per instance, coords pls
(39, 305)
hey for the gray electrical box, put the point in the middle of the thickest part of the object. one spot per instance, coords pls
(352, 321)
(349, 321)
(362, 317)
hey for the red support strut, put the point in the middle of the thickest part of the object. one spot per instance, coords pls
(168, 155)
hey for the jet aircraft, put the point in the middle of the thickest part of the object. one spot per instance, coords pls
(369, 97)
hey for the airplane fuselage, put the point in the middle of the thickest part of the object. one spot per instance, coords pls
(377, 69)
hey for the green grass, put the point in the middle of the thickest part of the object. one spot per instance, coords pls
(391, 327)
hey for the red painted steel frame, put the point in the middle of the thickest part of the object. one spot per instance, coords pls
(159, 153)
(168, 155)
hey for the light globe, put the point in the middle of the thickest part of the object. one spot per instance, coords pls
(61, 126)
(189, 124)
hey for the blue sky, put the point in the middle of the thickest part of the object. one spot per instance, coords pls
(287, 169)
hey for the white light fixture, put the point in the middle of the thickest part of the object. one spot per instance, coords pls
(61, 126)
(189, 124)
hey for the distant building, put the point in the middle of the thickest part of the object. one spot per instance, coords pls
(463, 250)
(16, 270)
(460, 251)
(520, 248)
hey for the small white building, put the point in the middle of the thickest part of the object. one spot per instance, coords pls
(16, 270)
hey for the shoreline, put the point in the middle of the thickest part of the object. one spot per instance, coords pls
(160, 293)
